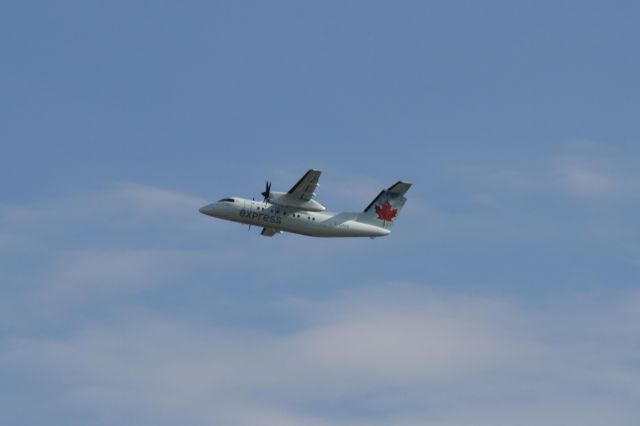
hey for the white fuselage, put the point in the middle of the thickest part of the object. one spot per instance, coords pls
(288, 219)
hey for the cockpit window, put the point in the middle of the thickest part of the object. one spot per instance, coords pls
(230, 200)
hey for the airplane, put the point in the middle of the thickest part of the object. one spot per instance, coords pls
(297, 212)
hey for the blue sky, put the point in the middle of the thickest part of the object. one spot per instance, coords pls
(507, 293)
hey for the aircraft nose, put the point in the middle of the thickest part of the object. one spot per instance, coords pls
(208, 209)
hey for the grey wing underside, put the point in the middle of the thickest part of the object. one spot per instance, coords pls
(269, 232)
(305, 188)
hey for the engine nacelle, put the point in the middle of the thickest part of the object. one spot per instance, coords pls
(286, 200)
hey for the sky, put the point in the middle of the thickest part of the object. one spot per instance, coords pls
(508, 292)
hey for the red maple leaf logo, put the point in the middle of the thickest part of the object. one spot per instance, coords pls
(386, 213)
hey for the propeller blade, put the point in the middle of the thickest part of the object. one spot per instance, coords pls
(267, 191)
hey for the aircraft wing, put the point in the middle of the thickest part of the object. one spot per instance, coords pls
(306, 186)
(269, 232)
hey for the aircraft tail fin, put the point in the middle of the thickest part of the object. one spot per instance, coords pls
(384, 209)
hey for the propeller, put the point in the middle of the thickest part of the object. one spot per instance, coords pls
(267, 192)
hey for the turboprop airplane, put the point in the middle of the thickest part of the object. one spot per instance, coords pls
(296, 211)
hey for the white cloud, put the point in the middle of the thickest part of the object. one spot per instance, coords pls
(123, 207)
(581, 180)
(397, 354)
(114, 244)
(394, 354)
(83, 247)
(581, 170)
(81, 276)
(588, 170)
(580, 194)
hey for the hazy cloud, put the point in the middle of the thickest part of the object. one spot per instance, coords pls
(381, 354)
(116, 243)
(398, 354)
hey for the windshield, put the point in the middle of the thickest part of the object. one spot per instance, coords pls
(230, 200)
